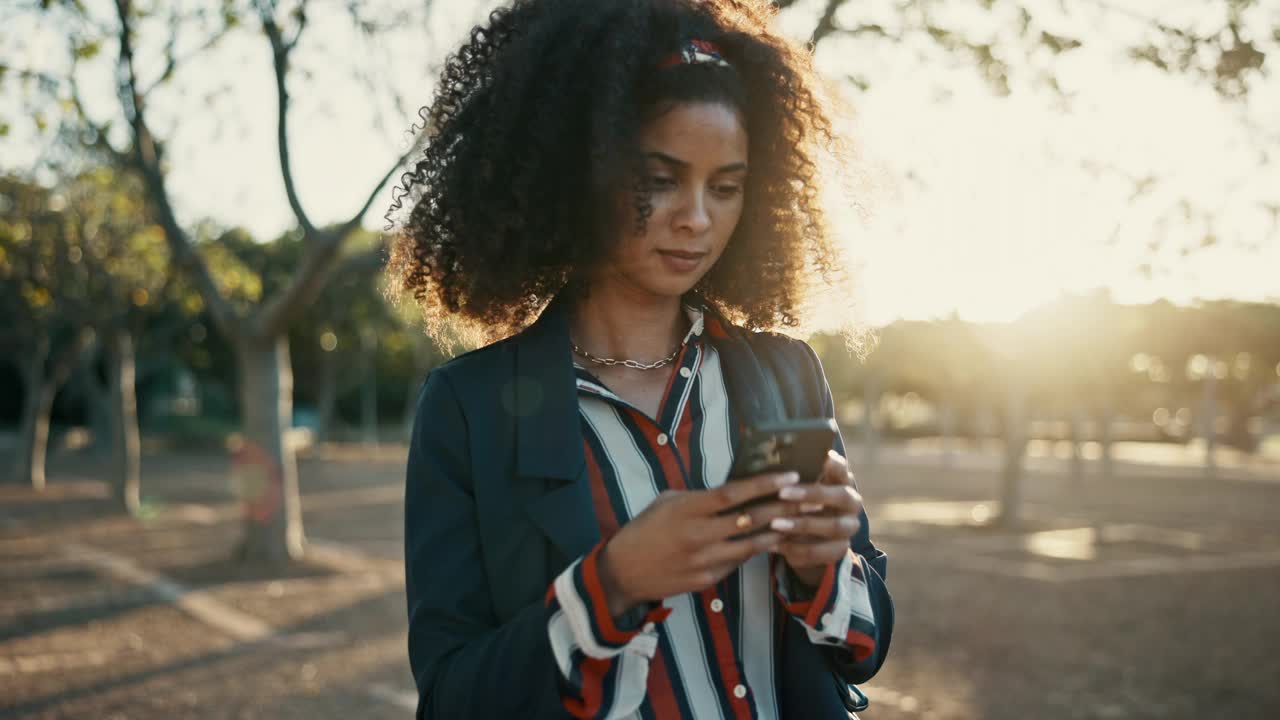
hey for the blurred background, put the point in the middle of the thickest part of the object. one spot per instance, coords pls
(1067, 235)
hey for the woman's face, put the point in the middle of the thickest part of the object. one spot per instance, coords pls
(696, 168)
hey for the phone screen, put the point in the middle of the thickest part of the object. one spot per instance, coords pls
(799, 445)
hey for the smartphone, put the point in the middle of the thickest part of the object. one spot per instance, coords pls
(799, 445)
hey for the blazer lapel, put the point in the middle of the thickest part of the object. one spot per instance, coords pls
(550, 464)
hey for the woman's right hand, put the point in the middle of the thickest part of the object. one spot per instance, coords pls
(685, 541)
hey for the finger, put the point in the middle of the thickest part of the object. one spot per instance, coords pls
(736, 552)
(840, 527)
(737, 492)
(842, 498)
(835, 471)
(743, 521)
(802, 554)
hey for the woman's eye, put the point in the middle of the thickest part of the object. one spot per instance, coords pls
(657, 182)
(728, 190)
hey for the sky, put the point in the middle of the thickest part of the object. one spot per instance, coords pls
(975, 204)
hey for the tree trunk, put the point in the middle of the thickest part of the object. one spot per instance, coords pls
(98, 407)
(266, 469)
(369, 388)
(871, 392)
(1015, 450)
(422, 356)
(1105, 435)
(328, 395)
(33, 433)
(947, 429)
(125, 443)
(1208, 424)
(1076, 424)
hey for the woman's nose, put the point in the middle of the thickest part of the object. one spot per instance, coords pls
(693, 213)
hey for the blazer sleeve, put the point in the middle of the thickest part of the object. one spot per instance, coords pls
(850, 664)
(466, 663)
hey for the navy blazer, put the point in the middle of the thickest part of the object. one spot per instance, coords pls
(497, 504)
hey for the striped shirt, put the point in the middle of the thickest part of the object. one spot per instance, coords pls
(698, 656)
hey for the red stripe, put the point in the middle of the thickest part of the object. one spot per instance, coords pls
(605, 517)
(861, 643)
(670, 469)
(724, 654)
(660, 691)
(713, 327)
(814, 617)
(671, 379)
(599, 605)
(684, 434)
(592, 671)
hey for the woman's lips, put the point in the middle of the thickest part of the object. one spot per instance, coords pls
(681, 260)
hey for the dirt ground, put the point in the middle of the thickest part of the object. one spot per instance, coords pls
(1152, 595)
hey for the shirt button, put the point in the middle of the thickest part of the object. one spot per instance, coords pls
(739, 691)
(717, 605)
(685, 372)
(662, 438)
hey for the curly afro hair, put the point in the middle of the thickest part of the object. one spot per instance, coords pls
(535, 126)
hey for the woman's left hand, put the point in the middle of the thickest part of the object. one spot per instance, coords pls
(826, 517)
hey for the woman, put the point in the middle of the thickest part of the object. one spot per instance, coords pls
(638, 175)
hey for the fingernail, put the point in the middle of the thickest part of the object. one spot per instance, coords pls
(810, 507)
(782, 524)
(792, 493)
(848, 523)
(788, 478)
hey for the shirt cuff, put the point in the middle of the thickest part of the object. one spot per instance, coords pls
(839, 611)
(588, 643)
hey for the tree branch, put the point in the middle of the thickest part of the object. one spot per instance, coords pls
(354, 222)
(146, 158)
(827, 23)
(280, 61)
(317, 267)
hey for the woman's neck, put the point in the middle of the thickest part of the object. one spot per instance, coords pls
(626, 324)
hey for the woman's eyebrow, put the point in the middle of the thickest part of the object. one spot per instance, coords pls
(678, 163)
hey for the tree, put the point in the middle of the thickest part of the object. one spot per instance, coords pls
(80, 261)
(266, 466)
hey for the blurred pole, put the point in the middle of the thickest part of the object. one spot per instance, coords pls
(1106, 433)
(421, 359)
(871, 392)
(1015, 447)
(1076, 421)
(369, 392)
(97, 402)
(328, 394)
(948, 428)
(1209, 409)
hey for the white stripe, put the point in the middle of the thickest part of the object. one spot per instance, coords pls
(855, 591)
(639, 490)
(757, 635)
(717, 445)
(686, 392)
(570, 629)
(755, 619)
(630, 686)
(199, 604)
(561, 642)
(578, 614)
